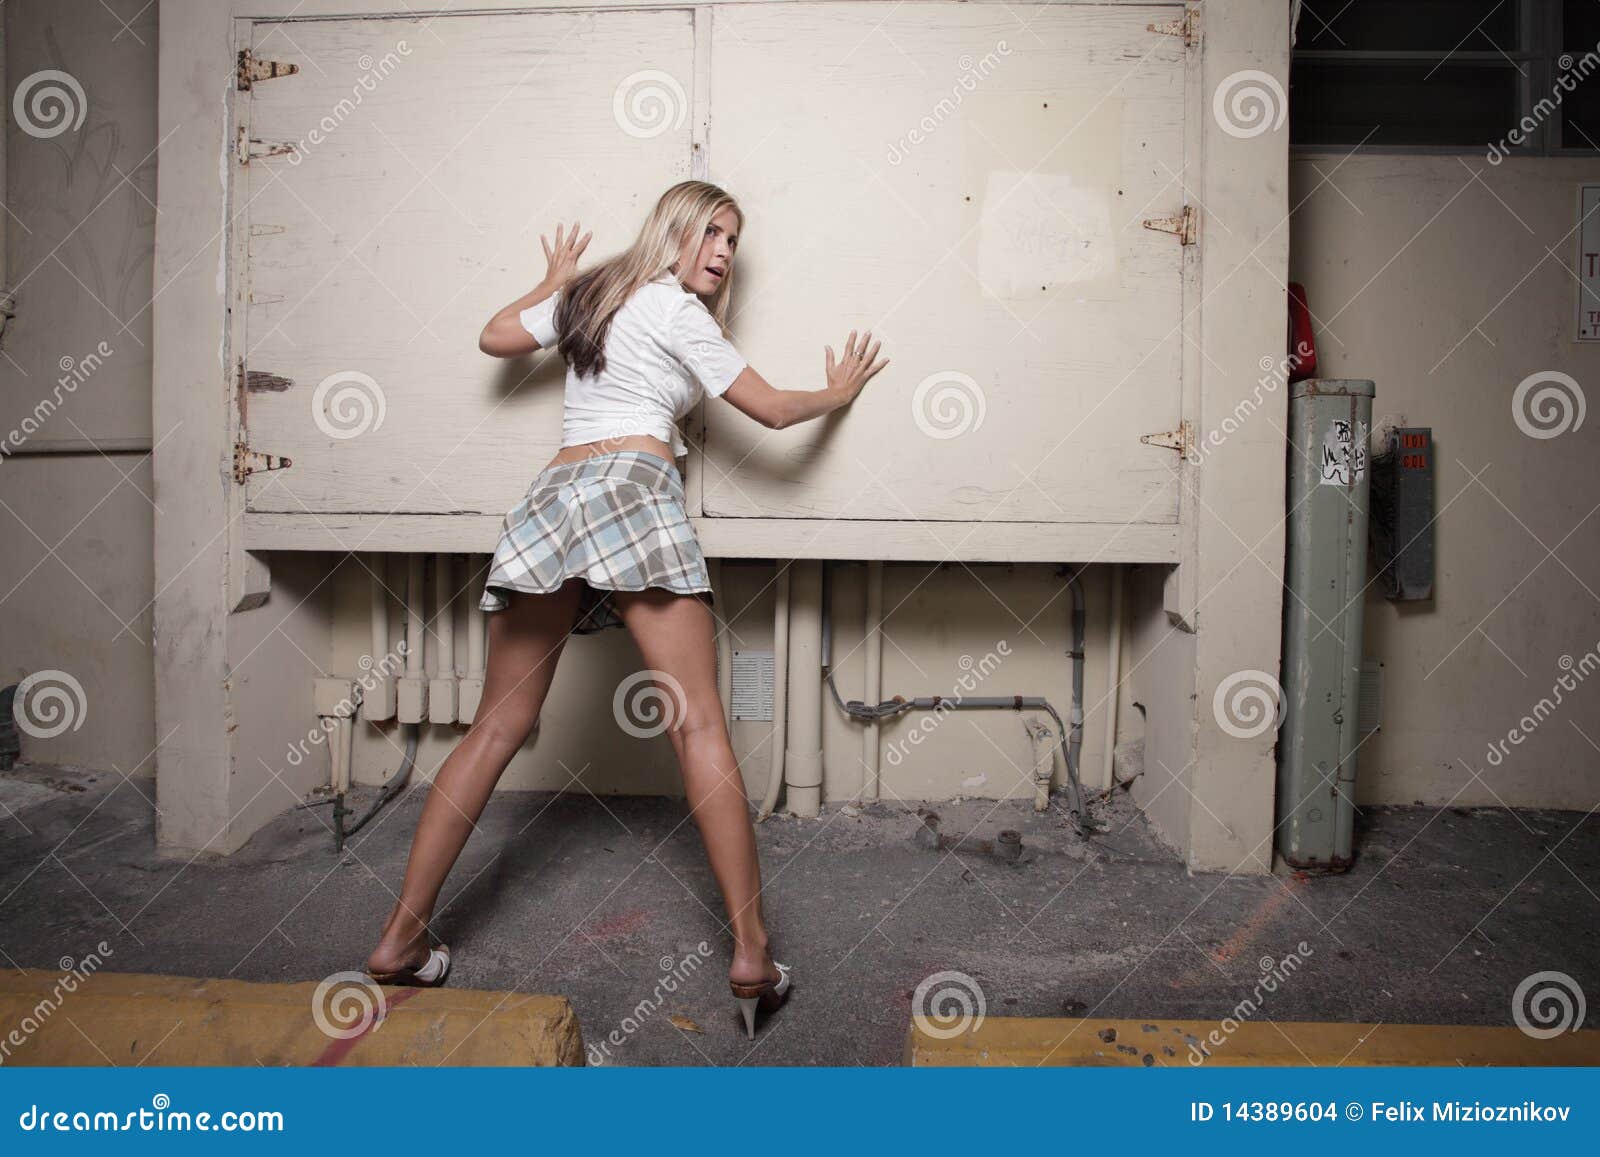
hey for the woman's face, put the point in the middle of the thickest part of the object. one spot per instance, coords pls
(702, 267)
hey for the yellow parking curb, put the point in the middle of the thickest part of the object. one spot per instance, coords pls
(1030, 1041)
(129, 1018)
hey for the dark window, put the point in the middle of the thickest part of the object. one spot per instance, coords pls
(1519, 76)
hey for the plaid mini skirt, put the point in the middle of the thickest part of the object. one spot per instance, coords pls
(615, 520)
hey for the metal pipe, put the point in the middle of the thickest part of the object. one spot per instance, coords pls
(415, 627)
(475, 633)
(803, 759)
(780, 691)
(1108, 770)
(872, 680)
(444, 661)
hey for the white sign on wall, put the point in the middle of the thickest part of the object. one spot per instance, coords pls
(1588, 263)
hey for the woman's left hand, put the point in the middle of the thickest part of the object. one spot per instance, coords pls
(562, 257)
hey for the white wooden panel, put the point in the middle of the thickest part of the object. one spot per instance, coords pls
(430, 156)
(973, 192)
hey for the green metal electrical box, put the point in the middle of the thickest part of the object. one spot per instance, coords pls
(1325, 575)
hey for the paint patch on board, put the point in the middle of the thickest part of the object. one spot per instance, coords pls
(1046, 231)
(1344, 453)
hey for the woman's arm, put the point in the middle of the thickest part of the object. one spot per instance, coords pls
(504, 336)
(776, 409)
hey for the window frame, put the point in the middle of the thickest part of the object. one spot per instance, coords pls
(1541, 24)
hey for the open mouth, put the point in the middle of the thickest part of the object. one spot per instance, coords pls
(717, 273)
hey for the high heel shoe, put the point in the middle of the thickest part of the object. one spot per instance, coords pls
(766, 995)
(429, 974)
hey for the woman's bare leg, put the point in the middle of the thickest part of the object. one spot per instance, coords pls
(674, 635)
(525, 642)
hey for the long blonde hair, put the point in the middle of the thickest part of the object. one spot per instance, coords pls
(591, 299)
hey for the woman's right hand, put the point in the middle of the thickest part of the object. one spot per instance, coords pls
(852, 371)
(561, 259)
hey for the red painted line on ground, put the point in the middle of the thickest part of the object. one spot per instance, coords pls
(336, 1052)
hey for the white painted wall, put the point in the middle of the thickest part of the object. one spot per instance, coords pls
(76, 574)
(236, 676)
(1448, 281)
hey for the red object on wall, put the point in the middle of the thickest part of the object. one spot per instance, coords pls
(1302, 347)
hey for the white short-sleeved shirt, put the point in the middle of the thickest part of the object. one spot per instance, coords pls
(664, 351)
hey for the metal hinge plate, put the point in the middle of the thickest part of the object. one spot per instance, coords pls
(247, 462)
(247, 147)
(252, 70)
(1181, 439)
(1186, 225)
(1188, 27)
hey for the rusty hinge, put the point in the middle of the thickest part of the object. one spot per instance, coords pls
(247, 462)
(248, 147)
(1181, 439)
(1186, 225)
(252, 70)
(1188, 27)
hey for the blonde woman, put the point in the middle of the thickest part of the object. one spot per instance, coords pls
(602, 539)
